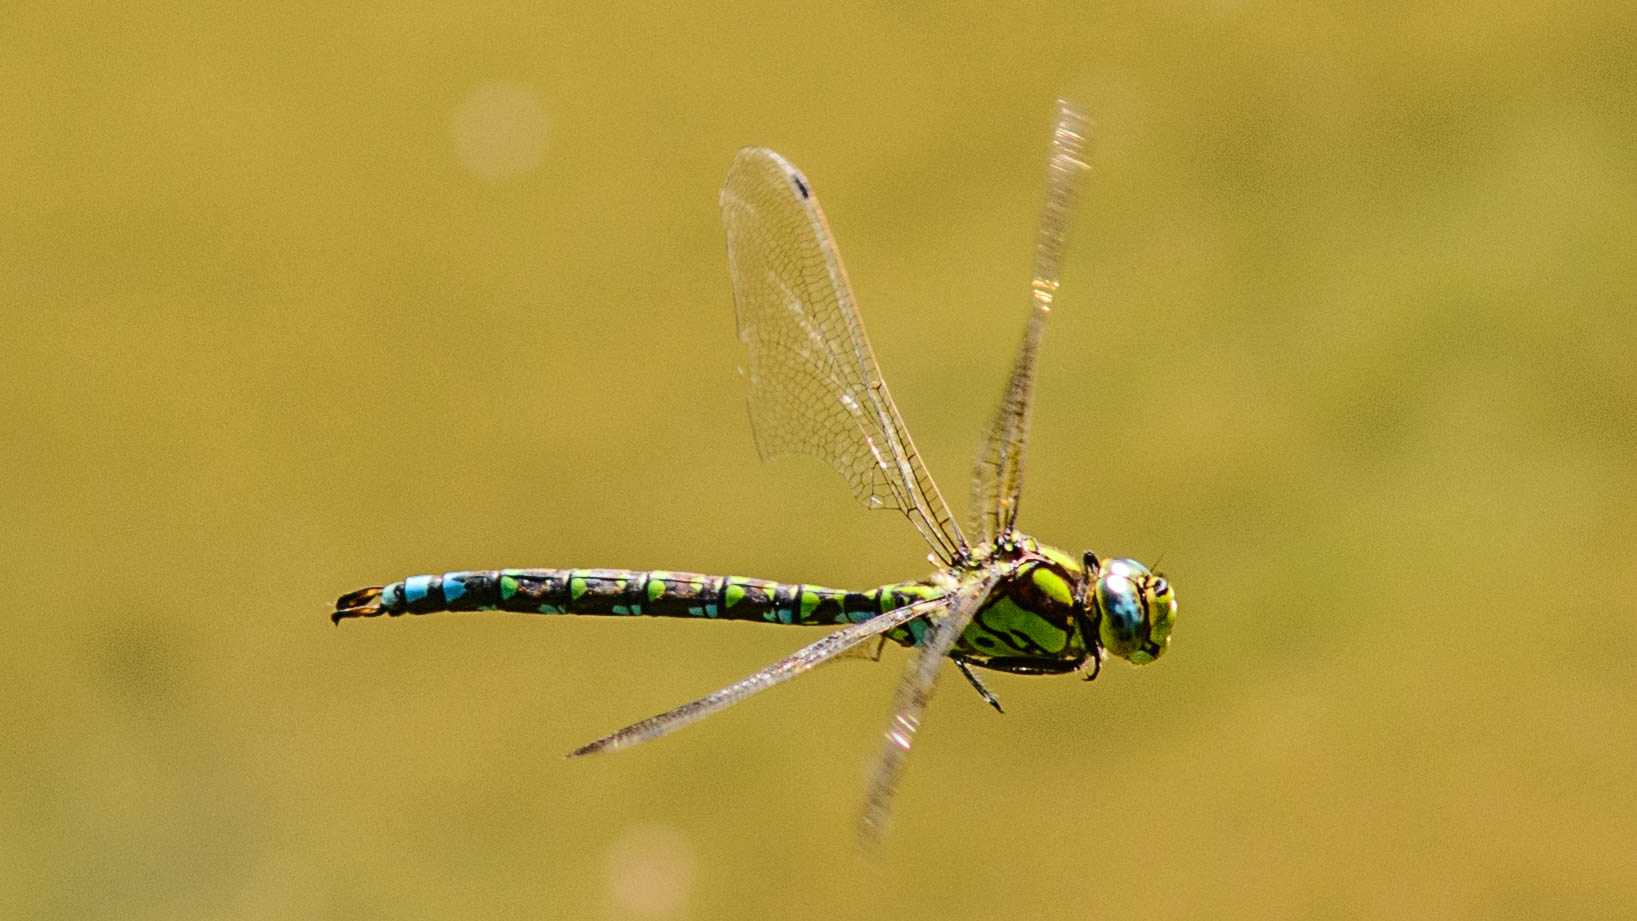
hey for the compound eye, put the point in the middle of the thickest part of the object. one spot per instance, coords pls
(1122, 616)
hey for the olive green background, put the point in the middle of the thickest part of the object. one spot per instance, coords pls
(292, 304)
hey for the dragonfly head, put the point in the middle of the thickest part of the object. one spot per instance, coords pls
(1135, 608)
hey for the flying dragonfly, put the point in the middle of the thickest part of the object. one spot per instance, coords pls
(998, 599)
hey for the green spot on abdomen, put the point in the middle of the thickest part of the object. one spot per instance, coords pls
(508, 587)
(899, 594)
(735, 593)
(576, 588)
(656, 588)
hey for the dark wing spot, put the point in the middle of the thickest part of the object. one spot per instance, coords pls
(800, 186)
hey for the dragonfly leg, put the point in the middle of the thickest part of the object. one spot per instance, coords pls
(1094, 649)
(1096, 665)
(966, 670)
(874, 655)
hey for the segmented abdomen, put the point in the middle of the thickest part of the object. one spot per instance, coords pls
(625, 592)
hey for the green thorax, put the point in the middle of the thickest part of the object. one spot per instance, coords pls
(1033, 619)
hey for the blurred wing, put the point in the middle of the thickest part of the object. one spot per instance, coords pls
(997, 477)
(814, 384)
(802, 660)
(914, 692)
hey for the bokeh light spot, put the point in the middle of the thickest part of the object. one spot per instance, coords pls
(650, 872)
(499, 130)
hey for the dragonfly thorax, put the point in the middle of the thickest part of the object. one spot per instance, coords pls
(1037, 618)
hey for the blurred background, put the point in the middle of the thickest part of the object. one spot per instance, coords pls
(296, 299)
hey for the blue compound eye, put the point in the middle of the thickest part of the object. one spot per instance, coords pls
(1119, 603)
(1136, 610)
(1125, 566)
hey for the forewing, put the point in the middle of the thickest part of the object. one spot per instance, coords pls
(997, 477)
(779, 672)
(910, 702)
(814, 384)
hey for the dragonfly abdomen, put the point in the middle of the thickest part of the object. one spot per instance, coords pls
(628, 592)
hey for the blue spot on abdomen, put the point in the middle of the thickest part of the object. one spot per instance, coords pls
(416, 587)
(454, 585)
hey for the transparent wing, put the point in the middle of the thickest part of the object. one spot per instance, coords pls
(997, 477)
(910, 701)
(779, 672)
(814, 384)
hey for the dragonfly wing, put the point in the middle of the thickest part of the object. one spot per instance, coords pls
(997, 476)
(914, 692)
(815, 387)
(803, 660)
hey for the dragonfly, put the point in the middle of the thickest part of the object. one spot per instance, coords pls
(998, 599)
